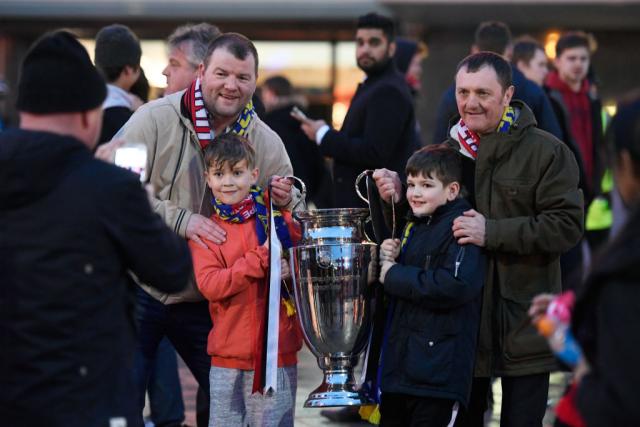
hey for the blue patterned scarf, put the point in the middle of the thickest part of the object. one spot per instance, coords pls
(254, 204)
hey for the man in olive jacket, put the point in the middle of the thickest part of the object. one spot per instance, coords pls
(528, 211)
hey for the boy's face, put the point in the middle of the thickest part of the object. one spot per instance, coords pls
(425, 193)
(231, 184)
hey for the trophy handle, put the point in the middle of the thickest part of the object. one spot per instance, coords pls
(303, 191)
(358, 179)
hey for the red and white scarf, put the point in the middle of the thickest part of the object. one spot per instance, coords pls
(470, 141)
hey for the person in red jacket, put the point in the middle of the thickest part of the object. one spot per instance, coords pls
(233, 276)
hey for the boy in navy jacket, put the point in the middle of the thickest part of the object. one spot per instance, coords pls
(434, 289)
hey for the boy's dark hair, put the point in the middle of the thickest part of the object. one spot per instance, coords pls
(279, 85)
(492, 36)
(437, 161)
(229, 147)
(237, 44)
(378, 22)
(570, 40)
(476, 61)
(116, 47)
(524, 49)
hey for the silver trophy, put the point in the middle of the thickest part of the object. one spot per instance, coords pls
(333, 269)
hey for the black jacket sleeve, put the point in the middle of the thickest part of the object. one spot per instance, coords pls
(457, 281)
(388, 112)
(155, 254)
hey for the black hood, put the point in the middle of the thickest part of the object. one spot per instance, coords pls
(32, 163)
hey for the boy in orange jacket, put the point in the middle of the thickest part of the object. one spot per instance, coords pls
(232, 277)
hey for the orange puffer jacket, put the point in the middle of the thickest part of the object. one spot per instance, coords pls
(229, 276)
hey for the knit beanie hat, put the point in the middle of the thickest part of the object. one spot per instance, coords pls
(117, 46)
(57, 76)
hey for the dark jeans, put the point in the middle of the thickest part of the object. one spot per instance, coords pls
(403, 410)
(165, 392)
(524, 401)
(186, 325)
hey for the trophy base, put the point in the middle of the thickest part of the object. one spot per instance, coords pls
(337, 390)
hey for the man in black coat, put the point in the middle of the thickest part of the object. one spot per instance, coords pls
(379, 128)
(496, 37)
(71, 227)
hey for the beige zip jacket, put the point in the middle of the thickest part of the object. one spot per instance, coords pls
(175, 167)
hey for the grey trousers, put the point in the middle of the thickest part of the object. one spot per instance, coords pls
(233, 405)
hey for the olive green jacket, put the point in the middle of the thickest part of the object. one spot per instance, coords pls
(526, 186)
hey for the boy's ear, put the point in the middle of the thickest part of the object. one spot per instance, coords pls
(254, 176)
(453, 189)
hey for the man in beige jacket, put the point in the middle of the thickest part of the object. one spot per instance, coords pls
(175, 130)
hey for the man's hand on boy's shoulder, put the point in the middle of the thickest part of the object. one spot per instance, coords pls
(200, 227)
(470, 228)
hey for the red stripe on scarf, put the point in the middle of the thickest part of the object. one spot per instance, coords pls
(189, 99)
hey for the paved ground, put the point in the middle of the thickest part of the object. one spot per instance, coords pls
(310, 376)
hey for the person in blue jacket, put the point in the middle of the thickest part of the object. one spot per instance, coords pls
(434, 290)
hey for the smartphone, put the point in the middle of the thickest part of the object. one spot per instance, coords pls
(133, 156)
(298, 114)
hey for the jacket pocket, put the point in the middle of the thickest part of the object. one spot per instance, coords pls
(429, 359)
(515, 197)
(520, 339)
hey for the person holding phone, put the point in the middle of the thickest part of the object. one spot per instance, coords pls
(379, 129)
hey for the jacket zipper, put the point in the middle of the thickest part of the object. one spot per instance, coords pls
(175, 173)
(459, 259)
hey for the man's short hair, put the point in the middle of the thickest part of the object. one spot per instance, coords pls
(524, 49)
(476, 61)
(379, 22)
(229, 148)
(236, 44)
(570, 40)
(116, 47)
(279, 85)
(437, 161)
(198, 37)
(492, 36)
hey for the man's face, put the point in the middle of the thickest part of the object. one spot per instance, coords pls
(536, 70)
(373, 50)
(573, 64)
(228, 83)
(179, 71)
(481, 100)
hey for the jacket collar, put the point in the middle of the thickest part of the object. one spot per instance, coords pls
(496, 145)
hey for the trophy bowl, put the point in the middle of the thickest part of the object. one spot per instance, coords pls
(333, 271)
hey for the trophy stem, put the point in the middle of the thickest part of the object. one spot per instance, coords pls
(339, 387)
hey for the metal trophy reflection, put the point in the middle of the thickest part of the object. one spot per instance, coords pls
(333, 269)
